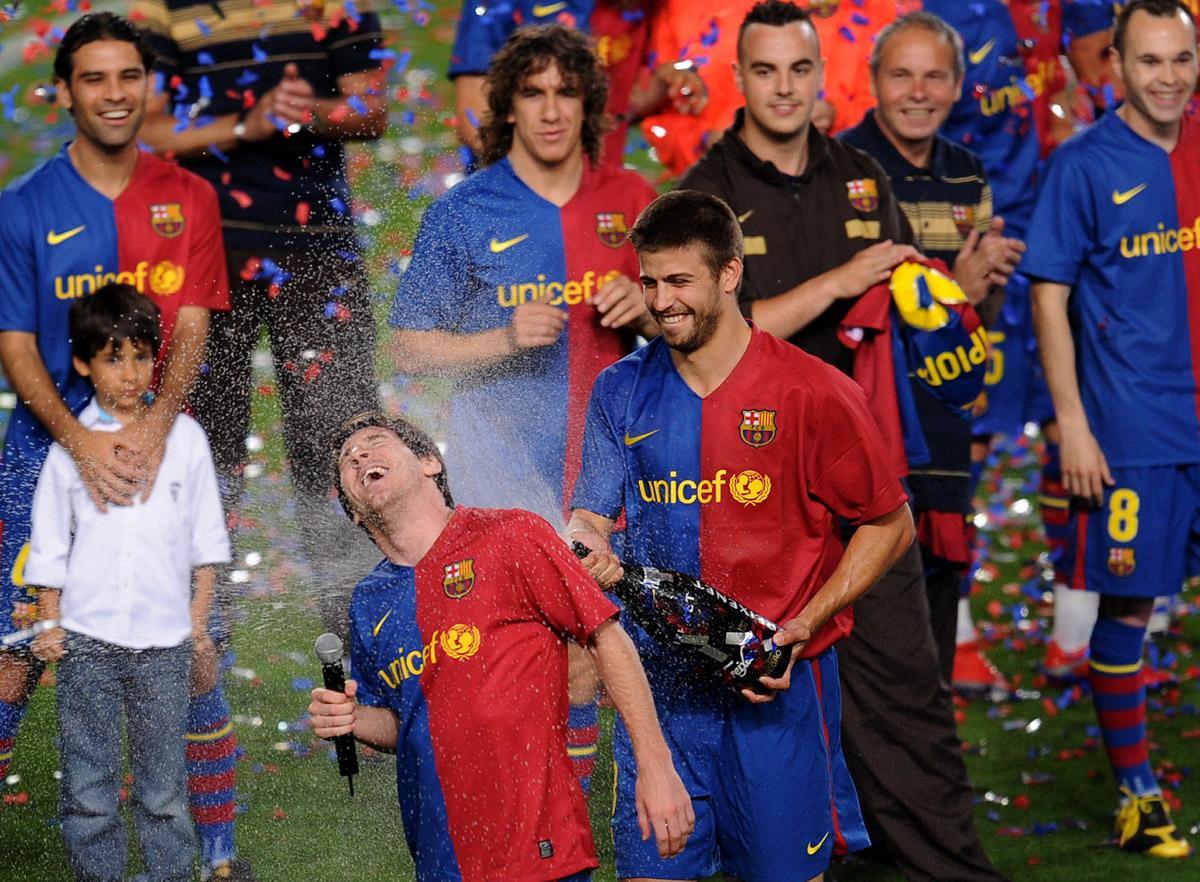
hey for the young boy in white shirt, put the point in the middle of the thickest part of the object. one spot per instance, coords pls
(131, 588)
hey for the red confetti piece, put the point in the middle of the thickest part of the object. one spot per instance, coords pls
(1033, 860)
(318, 31)
(278, 814)
(242, 199)
(339, 113)
(226, 178)
(312, 371)
(250, 270)
(281, 174)
(1049, 707)
(302, 210)
(1021, 801)
(266, 390)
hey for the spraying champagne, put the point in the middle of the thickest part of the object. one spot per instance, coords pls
(733, 642)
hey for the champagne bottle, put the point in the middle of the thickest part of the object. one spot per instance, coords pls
(726, 638)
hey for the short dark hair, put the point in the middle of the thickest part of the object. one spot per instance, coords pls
(776, 14)
(114, 313)
(99, 26)
(683, 218)
(528, 52)
(926, 21)
(1156, 8)
(411, 436)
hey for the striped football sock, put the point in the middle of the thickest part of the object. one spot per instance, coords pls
(1115, 672)
(10, 719)
(211, 752)
(583, 730)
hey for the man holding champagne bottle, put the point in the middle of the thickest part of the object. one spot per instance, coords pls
(734, 457)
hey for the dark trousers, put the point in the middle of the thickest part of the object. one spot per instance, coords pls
(899, 736)
(322, 336)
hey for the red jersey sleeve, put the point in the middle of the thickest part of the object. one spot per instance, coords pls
(561, 590)
(846, 462)
(207, 273)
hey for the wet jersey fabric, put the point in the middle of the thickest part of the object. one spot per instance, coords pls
(468, 649)
(485, 247)
(60, 240)
(743, 488)
(1118, 220)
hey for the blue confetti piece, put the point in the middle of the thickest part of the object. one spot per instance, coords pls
(247, 77)
(212, 148)
(381, 54)
(393, 266)
(351, 11)
(319, 151)
(472, 118)
(350, 256)
(859, 19)
(358, 105)
(337, 204)
(207, 92)
(204, 29)
(633, 15)
(846, 34)
(302, 684)
(160, 81)
(330, 310)
(402, 60)
(9, 100)
(204, 57)
(259, 53)
(408, 117)
(339, 291)
(181, 93)
(709, 39)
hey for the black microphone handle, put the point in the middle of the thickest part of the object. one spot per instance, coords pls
(343, 745)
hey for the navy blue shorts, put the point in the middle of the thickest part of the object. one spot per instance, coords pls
(1145, 539)
(760, 777)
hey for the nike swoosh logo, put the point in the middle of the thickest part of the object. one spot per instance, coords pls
(742, 218)
(53, 238)
(540, 11)
(982, 52)
(1120, 198)
(497, 247)
(630, 441)
(379, 624)
(813, 849)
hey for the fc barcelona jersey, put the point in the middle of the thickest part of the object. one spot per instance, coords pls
(745, 487)
(468, 650)
(1118, 220)
(60, 240)
(485, 247)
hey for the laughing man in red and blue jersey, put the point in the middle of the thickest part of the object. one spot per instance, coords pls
(1114, 248)
(459, 653)
(735, 456)
(520, 287)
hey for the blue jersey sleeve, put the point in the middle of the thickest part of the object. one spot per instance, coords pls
(482, 30)
(18, 284)
(1063, 226)
(432, 287)
(600, 488)
(362, 663)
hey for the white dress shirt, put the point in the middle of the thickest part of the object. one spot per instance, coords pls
(126, 573)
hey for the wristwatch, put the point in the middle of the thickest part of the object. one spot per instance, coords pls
(239, 127)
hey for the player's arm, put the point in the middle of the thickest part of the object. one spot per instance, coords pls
(534, 324)
(111, 472)
(785, 314)
(204, 653)
(50, 645)
(677, 84)
(663, 805)
(1084, 467)
(470, 104)
(873, 549)
(337, 713)
(594, 530)
(360, 111)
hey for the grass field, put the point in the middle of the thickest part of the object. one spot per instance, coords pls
(1045, 799)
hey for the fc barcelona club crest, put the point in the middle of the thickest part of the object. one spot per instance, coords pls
(864, 195)
(459, 578)
(1120, 561)
(167, 219)
(758, 427)
(964, 218)
(823, 8)
(611, 228)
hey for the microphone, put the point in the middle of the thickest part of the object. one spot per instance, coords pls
(329, 651)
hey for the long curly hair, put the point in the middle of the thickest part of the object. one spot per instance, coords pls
(528, 52)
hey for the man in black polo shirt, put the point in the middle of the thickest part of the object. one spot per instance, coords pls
(258, 99)
(917, 73)
(821, 227)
